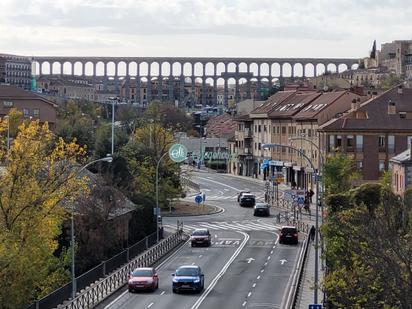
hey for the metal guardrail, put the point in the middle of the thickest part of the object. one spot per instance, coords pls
(189, 183)
(298, 273)
(100, 290)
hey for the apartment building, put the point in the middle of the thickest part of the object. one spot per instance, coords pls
(15, 70)
(373, 132)
(31, 105)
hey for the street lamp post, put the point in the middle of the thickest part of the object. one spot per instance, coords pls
(8, 133)
(112, 127)
(267, 146)
(157, 196)
(106, 159)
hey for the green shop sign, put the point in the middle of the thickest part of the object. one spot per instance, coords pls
(178, 153)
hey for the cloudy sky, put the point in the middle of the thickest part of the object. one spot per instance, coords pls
(237, 28)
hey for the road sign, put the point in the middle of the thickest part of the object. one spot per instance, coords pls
(300, 196)
(178, 152)
(312, 306)
(301, 200)
(198, 199)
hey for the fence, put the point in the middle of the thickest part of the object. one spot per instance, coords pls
(189, 183)
(95, 274)
(99, 291)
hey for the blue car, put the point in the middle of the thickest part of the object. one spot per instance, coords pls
(188, 278)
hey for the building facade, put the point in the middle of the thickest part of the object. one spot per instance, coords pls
(31, 105)
(373, 132)
(15, 70)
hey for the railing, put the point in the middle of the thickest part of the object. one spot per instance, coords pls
(100, 290)
(189, 183)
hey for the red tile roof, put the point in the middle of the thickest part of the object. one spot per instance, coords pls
(221, 126)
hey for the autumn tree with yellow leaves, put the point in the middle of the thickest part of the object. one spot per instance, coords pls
(38, 184)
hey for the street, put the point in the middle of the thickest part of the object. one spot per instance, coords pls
(245, 266)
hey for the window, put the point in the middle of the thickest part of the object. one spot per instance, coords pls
(391, 143)
(381, 142)
(259, 128)
(260, 146)
(359, 165)
(255, 146)
(283, 130)
(278, 130)
(8, 103)
(409, 141)
(338, 141)
(350, 141)
(264, 128)
(359, 142)
(331, 142)
(36, 112)
(381, 165)
(25, 112)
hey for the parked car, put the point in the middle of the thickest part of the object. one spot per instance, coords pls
(240, 195)
(288, 234)
(188, 278)
(262, 209)
(200, 237)
(247, 199)
(143, 278)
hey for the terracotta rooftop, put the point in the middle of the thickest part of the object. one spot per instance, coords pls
(272, 102)
(321, 102)
(13, 92)
(221, 126)
(293, 104)
(373, 114)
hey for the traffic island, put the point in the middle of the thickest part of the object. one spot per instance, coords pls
(184, 208)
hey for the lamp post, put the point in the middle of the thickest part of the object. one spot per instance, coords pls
(157, 196)
(8, 133)
(112, 127)
(267, 146)
(106, 159)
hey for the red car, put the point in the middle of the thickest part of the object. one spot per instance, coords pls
(143, 278)
(201, 237)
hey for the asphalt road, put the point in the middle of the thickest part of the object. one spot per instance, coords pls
(244, 268)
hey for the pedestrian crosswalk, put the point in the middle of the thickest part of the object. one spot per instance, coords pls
(244, 225)
(259, 197)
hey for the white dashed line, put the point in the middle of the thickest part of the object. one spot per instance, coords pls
(268, 257)
(200, 256)
(151, 304)
(254, 285)
(271, 252)
(258, 277)
(266, 263)
(244, 303)
(262, 270)
(250, 293)
(162, 292)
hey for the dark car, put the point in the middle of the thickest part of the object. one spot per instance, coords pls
(288, 234)
(247, 199)
(262, 209)
(200, 237)
(143, 278)
(188, 278)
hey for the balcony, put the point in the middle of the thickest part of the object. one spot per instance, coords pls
(248, 133)
(244, 151)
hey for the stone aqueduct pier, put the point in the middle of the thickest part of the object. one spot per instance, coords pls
(213, 71)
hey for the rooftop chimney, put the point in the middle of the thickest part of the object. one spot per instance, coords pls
(391, 107)
(355, 105)
(400, 90)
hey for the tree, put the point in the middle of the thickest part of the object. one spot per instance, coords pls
(103, 143)
(142, 153)
(339, 173)
(169, 116)
(37, 182)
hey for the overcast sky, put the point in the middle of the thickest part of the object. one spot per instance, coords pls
(228, 28)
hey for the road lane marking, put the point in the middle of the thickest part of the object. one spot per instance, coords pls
(258, 277)
(262, 270)
(271, 252)
(222, 272)
(151, 304)
(254, 285)
(266, 263)
(244, 303)
(200, 256)
(162, 292)
(219, 183)
(168, 259)
(249, 294)
(268, 257)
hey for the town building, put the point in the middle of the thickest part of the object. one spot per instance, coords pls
(15, 70)
(68, 88)
(397, 57)
(372, 132)
(30, 104)
(401, 166)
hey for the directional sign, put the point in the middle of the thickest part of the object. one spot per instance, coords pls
(301, 200)
(312, 306)
(250, 260)
(198, 199)
(283, 261)
(178, 152)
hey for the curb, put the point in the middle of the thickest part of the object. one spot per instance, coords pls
(217, 211)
